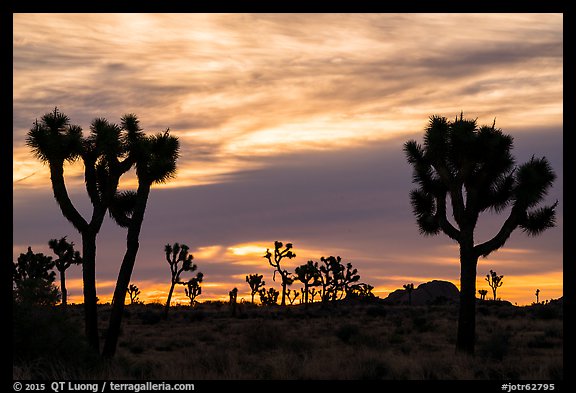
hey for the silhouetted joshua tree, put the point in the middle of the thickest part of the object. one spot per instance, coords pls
(292, 295)
(537, 296)
(133, 292)
(155, 161)
(309, 275)
(337, 280)
(67, 257)
(362, 290)
(180, 261)
(233, 296)
(268, 297)
(280, 254)
(192, 288)
(472, 167)
(33, 279)
(349, 277)
(409, 288)
(495, 281)
(255, 281)
(313, 292)
(330, 273)
(106, 154)
(483, 293)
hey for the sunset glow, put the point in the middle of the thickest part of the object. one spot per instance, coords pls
(291, 128)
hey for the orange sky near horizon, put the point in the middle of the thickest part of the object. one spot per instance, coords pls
(291, 127)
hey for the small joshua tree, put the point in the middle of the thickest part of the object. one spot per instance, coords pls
(179, 260)
(330, 277)
(495, 281)
(336, 279)
(537, 296)
(192, 288)
(362, 291)
(309, 275)
(409, 288)
(483, 293)
(290, 293)
(349, 277)
(233, 296)
(278, 255)
(313, 292)
(255, 281)
(67, 257)
(268, 297)
(133, 292)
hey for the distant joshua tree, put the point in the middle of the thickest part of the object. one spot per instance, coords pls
(409, 288)
(268, 297)
(362, 290)
(133, 292)
(337, 280)
(67, 257)
(274, 261)
(483, 293)
(495, 281)
(309, 275)
(313, 292)
(470, 169)
(255, 281)
(180, 261)
(192, 288)
(233, 296)
(537, 296)
(292, 295)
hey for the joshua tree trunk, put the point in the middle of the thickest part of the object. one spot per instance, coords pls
(125, 273)
(89, 278)
(167, 306)
(467, 314)
(63, 288)
(283, 302)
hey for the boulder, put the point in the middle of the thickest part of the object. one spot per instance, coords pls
(432, 292)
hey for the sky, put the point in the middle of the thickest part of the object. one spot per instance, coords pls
(291, 128)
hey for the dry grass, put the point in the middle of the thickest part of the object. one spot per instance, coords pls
(348, 342)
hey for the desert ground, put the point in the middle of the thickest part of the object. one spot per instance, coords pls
(344, 341)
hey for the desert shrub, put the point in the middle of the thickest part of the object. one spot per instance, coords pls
(142, 369)
(542, 340)
(376, 311)
(40, 335)
(347, 331)
(150, 317)
(373, 369)
(496, 345)
(261, 337)
(195, 316)
(422, 324)
(547, 311)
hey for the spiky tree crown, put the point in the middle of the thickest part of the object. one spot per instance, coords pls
(472, 167)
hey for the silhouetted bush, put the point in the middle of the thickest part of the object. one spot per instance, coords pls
(196, 315)
(376, 311)
(547, 311)
(42, 334)
(496, 345)
(150, 317)
(347, 331)
(422, 324)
